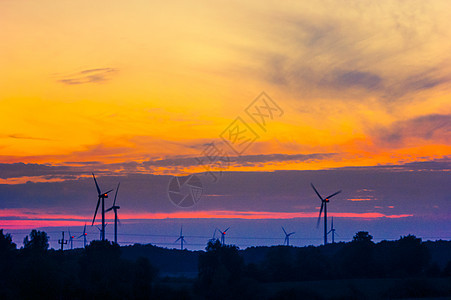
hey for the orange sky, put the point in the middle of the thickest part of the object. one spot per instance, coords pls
(115, 81)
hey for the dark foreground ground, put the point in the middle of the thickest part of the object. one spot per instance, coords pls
(404, 269)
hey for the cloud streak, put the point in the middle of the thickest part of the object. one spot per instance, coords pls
(99, 75)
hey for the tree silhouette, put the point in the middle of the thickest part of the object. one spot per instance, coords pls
(362, 236)
(6, 243)
(7, 264)
(220, 268)
(411, 256)
(38, 241)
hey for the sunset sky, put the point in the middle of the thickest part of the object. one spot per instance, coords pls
(136, 92)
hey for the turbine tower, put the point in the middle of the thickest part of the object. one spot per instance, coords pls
(181, 238)
(100, 230)
(102, 197)
(115, 208)
(287, 237)
(332, 230)
(324, 202)
(84, 236)
(223, 233)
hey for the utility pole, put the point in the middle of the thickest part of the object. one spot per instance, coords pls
(62, 242)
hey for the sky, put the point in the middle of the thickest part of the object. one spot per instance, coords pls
(257, 99)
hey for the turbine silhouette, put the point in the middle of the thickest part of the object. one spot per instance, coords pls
(102, 197)
(181, 238)
(84, 236)
(332, 230)
(223, 233)
(324, 202)
(115, 208)
(287, 237)
(71, 239)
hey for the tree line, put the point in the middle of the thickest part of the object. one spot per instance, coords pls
(100, 271)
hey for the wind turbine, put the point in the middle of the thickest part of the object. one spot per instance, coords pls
(213, 238)
(287, 237)
(223, 233)
(332, 230)
(324, 202)
(100, 230)
(102, 197)
(84, 236)
(71, 239)
(115, 208)
(181, 239)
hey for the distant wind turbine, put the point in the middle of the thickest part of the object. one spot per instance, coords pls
(213, 238)
(223, 233)
(84, 236)
(324, 202)
(287, 237)
(181, 238)
(332, 230)
(102, 197)
(71, 239)
(100, 229)
(115, 208)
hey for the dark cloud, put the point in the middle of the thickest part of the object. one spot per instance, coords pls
(443, 165)
(21, 170)
(89, 76)
(239, 160)
(344, 79)
(27, 137)
(330, 53)
(409, 192)
(435, 126)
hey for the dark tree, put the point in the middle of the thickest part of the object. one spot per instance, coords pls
(411, 256)
(38, 241)
(362, 236)
(7, 264)
(220, 268)
(356, 259)
(6, 243)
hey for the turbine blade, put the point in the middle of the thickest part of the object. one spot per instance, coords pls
(336, 193)
(80, 236)
(177, 240)
(291, 233)
(97, 208)
(284, 230)
(316, 192)
(84, 229)
(108, 191)
(117, 189)
(109, 209)
(226, 229)
(320, 212)
(329, 231)
(181, 229)
(97, 186)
